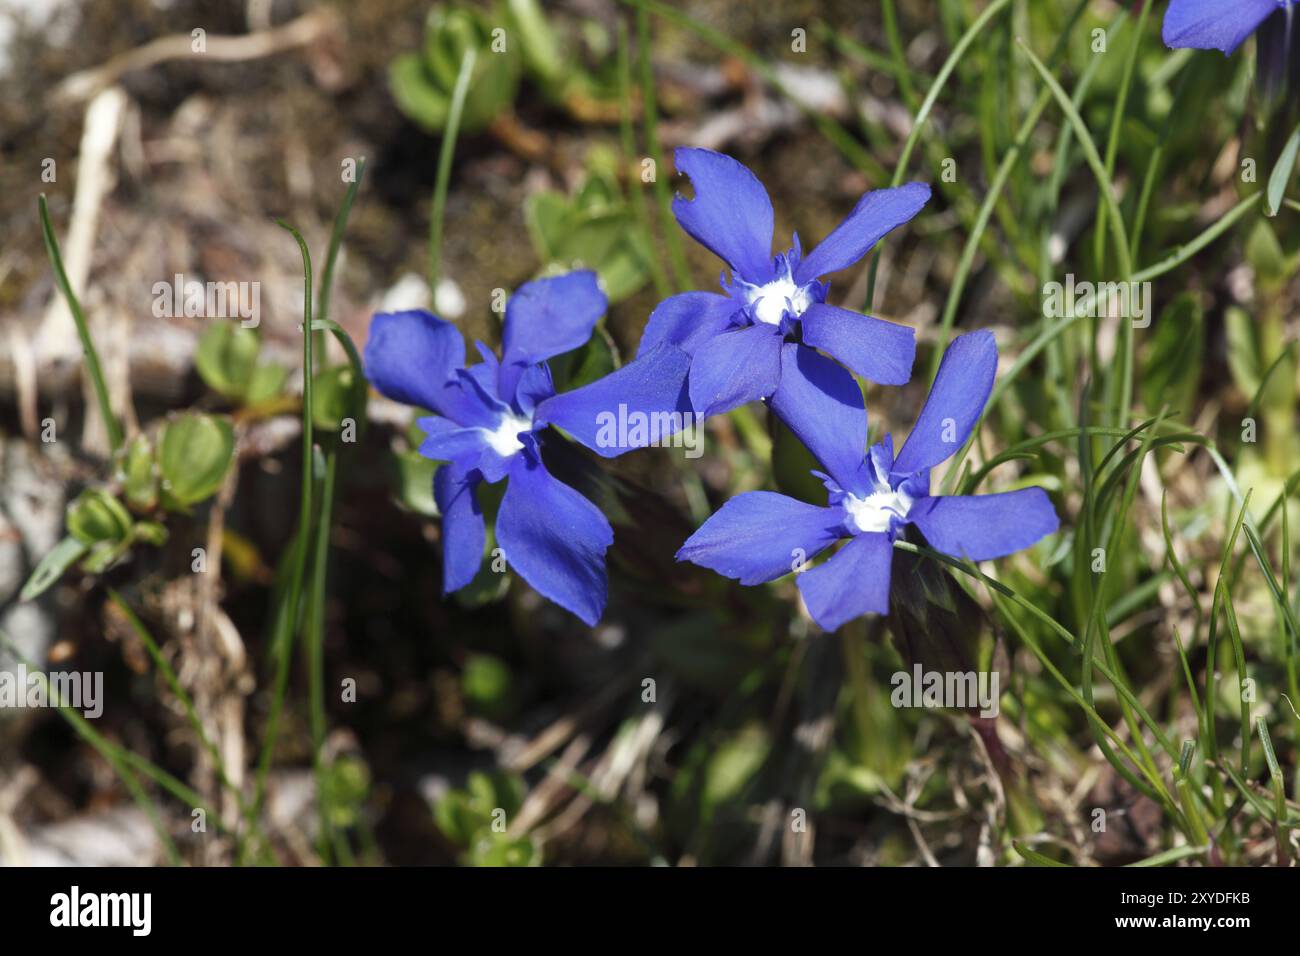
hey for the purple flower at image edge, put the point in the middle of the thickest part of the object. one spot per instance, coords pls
(1225, 25)
(761, 535)
(705, 353)
(488, 426)
(1216, 24)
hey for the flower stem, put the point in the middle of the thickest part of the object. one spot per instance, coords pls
(287, 620)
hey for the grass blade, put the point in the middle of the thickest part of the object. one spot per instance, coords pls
(445, 153)
(111, 423)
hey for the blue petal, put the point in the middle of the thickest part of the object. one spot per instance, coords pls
(985, 526)
(1213, 24)
(877, 350)
(480, 405)
(821, 403)
(463, 534)
(653, 385)
(489, 359)
(734, 368)
(555, 538)
(545, 318)
(731, 214)
(854, 582)
(876, 213)
(447, 441)
(535, 386)
(411, 357)
(760, 536)
(687, 321)
(955, 402)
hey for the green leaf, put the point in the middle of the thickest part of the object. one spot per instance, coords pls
(415, 482)
(596, 230)
(547, 215)
(347, 785)
(609, 242)
(1170, 856)
(265, 384)
(96, 516)
(139, 479)
(1274, 772)
(542, 53)
(1034, 857)
(496, 790)
(422, 83)
(227, 357)
(1281, 175)
(1265, 255)
(332, 394)
(61, 557)
(496, 850)
(103, 555)
(466, 816)
(150, 532)
(488, 686)
(415, 93)
(455, 819)
(194, 453)
(1243, 357)
(733, 765)
(600, 192)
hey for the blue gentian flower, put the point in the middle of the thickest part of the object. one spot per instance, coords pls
(1220, 24)
(704, 353)
(489, 425)
(760, 535)
(1225, 25)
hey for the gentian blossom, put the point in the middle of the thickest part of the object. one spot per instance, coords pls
(1225, 25)
(1219, 24)
(704, 353)
(760, 535)
(488, 426)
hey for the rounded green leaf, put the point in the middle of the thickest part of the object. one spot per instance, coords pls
(455, 819)
(416, 94)
(422, 84)
(266, 383)
(494, 850)
(150, 532)
(333, 391)
(96, 516)
(194, 454)
(415, 482)
(488, 686)
(227, 357)
(139, 478)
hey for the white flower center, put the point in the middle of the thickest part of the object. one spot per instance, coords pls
(504, 439)
(773, 300)
(873, 512)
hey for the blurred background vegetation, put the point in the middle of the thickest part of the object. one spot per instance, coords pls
(700, 722)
